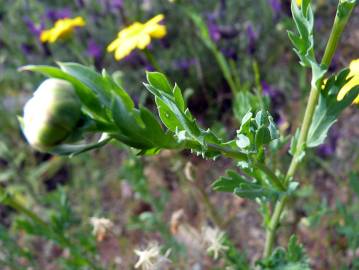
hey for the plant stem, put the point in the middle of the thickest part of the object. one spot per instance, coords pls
(334, 38)
(152, 60)
(12, 202)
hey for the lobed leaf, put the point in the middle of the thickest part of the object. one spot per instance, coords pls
(329, 108)
(243, 187)
(177, 118)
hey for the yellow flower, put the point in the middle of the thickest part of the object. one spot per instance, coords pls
(137, 35)
(61, 29)
(299, 3)
(354, 81)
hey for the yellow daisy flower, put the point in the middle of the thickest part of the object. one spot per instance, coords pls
(137, 35)
(61, 29)
(354, 81)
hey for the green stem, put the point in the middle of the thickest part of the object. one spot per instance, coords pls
(334, 38)
(152, 60)
(259, 88)
(230, 153)
(13, 203)
(272, 177)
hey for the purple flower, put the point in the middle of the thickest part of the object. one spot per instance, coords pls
(217, 32)
(149, 67)
(110, 5)
(80, 3)
(27, 48)
(277, 97)
(33, 28)
(276, 7)
(230, 53)
(116, 4)
(93, 49)
(54, 15)
(184, 64)
(328, 148)
(213, 30)
(252, 38)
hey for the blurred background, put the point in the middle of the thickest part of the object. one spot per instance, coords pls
(228, 56)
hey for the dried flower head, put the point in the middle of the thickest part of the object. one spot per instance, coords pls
(214, 240)
(100, 227)
(151, 257)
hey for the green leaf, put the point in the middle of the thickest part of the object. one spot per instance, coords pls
(177, 118)
(294, 258)
(295, 252)
(263, 136)
(345, 7)
(243, 187)
(329, 108)
(303, 42)
(139, 128)
(228, 183)
(90, 78)
(256, 131)
(354, 183)
(168, 117)
(159, 81)
(177, 93)
(244, 101)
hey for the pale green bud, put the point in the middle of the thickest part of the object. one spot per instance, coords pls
(51, 115)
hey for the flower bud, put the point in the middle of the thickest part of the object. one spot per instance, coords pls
(51, 115)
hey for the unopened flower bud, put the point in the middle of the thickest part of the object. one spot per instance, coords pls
(51, 115)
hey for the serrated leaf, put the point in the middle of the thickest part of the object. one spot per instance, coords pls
(242, 187)
(228, 183)
(294, 258)
(139, 128)
(329, 108)
(303, 40)
(177, 118)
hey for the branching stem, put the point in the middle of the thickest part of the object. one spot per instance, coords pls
(334, 38)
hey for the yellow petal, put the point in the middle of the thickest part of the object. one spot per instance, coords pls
(299, 3)
(354, 68)
(125, 49)
(158, 32)
(156, 19)
(113, 45)
(79, 21)
(143, 41)
(61, 29)
(354, 81)
(347, 87)
(132, 30)
(44, 36)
